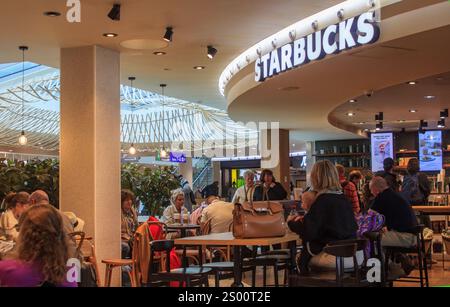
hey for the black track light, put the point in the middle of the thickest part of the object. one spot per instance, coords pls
(423, 124)
(441, 123)
(114, 14)
(379, 117)
(379, 126)
(168, 36)
(444, 114)
(211, 52)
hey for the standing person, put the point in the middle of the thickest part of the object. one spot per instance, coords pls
(416, 186)
(211, 190)
(16, 203)
(42, 251)
(350, 187)
(330, 218)
(231, 191)
(189, 197)
(245, 193)
(269, 189)
(389, 175)
(129, 222)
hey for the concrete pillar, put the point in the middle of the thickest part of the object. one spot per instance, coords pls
(310, 160)
(187, 171)
(274, 149)
(90, 145)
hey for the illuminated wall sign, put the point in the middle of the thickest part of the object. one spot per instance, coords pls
(353, 32)
(177, 157)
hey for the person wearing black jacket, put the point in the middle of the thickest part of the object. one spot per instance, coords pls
(400, 219)
(269, 189)
(389, 175)
(330, 218)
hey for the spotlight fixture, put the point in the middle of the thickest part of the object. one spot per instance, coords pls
(114, 14)
(159, 53)
(379, 117)
(411, 82)
(423, 124)
(168, 36)
(429, 97)
(361, 123)
(52, 14)
(352, 100)
(199, 67)
(211, 52)
(351, 114)
(110, 35)
(379, 126)
(441, 123)
(412, 111)
(444, 114)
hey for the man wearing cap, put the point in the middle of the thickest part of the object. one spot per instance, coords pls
(389, 175)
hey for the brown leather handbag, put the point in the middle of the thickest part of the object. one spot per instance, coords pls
(260, 219)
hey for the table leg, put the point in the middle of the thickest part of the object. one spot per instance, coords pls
(185, 260)
(183, 233)
(237, 267)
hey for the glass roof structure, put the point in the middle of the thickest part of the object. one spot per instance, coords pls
(148, 120)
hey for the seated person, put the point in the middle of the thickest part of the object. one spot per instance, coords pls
(41, 259)
(197, 214)
(400, 220)
(129, 222)
(172, 214)
(16, 203)
(330, 218)
(308, 199)
(219, 214)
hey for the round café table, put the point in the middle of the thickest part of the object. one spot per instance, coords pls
(183, 228)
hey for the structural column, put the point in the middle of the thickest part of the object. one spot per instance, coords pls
(274, 149)
(310, 161)
(186, 170)
(90, 145)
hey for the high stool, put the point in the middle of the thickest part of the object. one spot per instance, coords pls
(111, 264)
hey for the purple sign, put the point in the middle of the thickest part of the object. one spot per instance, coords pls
(177, 157)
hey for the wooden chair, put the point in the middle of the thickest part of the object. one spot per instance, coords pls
(340, 278)
(446, 247)
(190, 276)
(111, 264)
(86, 249)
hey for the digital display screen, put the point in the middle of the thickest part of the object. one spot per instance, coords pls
(177, 157)
(430, 151)
(382, 148)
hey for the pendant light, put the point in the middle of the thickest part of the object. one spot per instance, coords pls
(23, 140)
(132, 150)
(163, 151)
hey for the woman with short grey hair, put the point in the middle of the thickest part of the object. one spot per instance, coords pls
(245, 193)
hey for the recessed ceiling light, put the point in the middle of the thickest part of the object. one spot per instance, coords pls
(199, 67)
(429, 97)
(52, 14)
(351, 114)
(352, 100)
(412, 82)
(159, 53)
(110, 34)
(361, 123)
(401, 120)
(167, 69)
(412, 111)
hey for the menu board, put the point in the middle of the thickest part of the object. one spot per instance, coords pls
(382, 148)
(430, 151)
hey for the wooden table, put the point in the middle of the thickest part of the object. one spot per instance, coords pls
(434, 210)
(183, 228)
(227, 239)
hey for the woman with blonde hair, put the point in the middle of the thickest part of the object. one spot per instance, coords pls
(42, 251)
(331, 216)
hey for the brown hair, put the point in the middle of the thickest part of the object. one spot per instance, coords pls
(42, 241)
(355, 175)
(9, 200)
(20, 198)
(126, 195)
(413, 166)
(341, 169)
(266, 172)
(324, 176)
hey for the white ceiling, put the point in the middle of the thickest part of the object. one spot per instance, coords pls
(230, 25)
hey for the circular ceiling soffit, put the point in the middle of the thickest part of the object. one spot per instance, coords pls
(144, 44)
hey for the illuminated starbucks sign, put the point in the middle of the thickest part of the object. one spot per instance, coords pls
(348, 34)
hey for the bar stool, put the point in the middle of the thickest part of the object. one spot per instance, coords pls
(111, 264)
